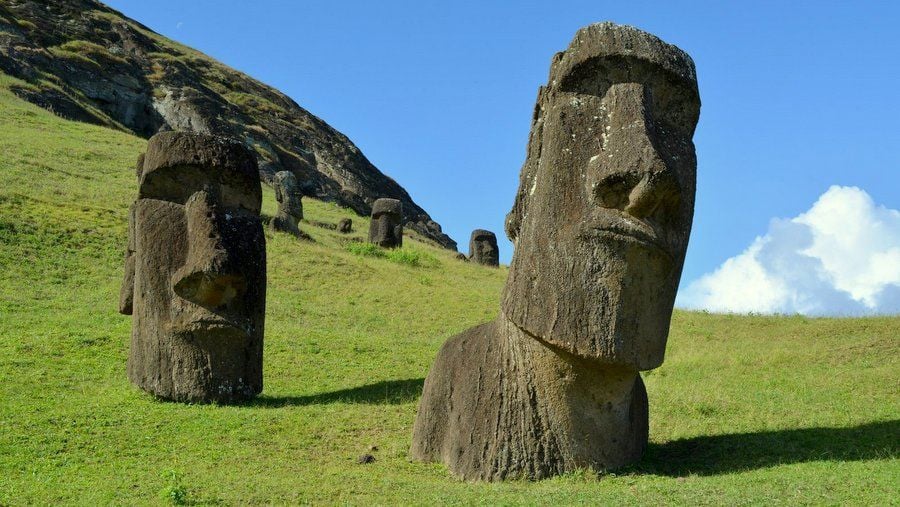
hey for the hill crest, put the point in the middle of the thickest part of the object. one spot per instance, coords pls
(87, 62)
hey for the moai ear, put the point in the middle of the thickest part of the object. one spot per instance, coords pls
(126, 294)
(139, 166)
(527, 182)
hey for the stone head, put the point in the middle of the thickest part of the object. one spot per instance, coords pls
(288, 194)
(386, 229)
(603, 212)
(483, 248)
(199, 269)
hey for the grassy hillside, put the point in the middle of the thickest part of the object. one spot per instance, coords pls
(754, 410)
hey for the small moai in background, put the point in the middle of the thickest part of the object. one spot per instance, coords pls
(483, 248)
(290, 204)
(345, 225)
(195, 271)
(461, 257)
(386, 228)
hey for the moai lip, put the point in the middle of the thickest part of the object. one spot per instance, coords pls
(600, 223)
(196, 271)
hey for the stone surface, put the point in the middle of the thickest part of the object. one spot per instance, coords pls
(461, 257)
(483, 248)
(290, 203)
(196, 271)
(110, 70)
(600, 223)
(345, 225)
(386, 227)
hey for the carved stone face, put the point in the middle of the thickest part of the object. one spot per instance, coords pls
(199, 271)
(288, 195)
(483, 248)
(606, 198)
(386, 228)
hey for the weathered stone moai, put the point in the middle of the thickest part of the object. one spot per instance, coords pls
(195, 271)
(345, 225)
(290, 204)
(386, 228)
(483, 248)
(601, 223)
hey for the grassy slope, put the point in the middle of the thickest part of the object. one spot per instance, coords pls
(745, 409)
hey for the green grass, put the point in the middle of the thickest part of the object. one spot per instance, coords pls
(745, 410)
(409, 256)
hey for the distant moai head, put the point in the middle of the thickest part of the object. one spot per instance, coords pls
(345, 225)
(386, 228)
(483, 248)
(199, 270)
(288, 195)
(606, 197)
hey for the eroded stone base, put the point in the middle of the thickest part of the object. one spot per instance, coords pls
(501, 404)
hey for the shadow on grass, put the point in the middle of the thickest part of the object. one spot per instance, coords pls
(722, 454)
(387, 392)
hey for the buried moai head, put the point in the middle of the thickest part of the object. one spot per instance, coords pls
(606, 197)
(483, 248)
(290, 203)
(197, 270)
(386, 228)
(345, 225)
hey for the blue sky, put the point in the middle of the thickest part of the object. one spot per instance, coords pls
(798, 97)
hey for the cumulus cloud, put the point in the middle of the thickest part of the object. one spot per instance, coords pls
(842, 257)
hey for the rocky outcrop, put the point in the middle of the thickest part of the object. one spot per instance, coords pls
(87, 62)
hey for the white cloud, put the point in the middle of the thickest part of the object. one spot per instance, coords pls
(842, 257)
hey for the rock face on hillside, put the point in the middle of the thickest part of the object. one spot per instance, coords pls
(87, 62)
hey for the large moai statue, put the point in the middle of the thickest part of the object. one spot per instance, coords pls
(290, 203)
(601, 223)
(483, 248)
(195, 280)
(386, 227)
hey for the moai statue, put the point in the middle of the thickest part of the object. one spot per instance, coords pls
(386, 228)
(345, 225)
(601, 223)
(195, 276)
(290, 204)
(483, 248)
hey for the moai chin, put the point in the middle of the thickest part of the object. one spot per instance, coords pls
(195, 281)
(601, 223)
(290, 203)
(386, 228)
(483, 248)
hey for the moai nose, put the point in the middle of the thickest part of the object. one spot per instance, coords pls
(208, 277)
(635, 178)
